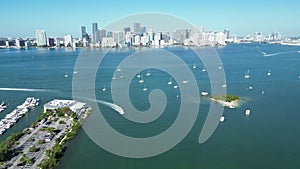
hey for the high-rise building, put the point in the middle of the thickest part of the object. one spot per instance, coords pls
(226, 32)
(126, 29)
(41, 39)
(50, 42)
(68, 40)
(143, 30)
(94, 30)
(83, 32)
(137, 28)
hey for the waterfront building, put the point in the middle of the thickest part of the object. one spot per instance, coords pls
(108, 42)
(137, 28)
(20, 43)
(94, 30)
(126, 29)
(68, 40)
(51, 42)
(41, 39)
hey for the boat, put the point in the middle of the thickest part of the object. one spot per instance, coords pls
(247, 112)
(104, 89)
(222, 119)
(66, 75)
(75, 72)
(194, 66)
(114, 78)
(139, 75)
(203, 69)
(231, 107)
(219, 67)
(185, 81)
(204, 93)
(119, 70)
(141, 80)
(247, 75)
(148, 73)
(250, 88)
(269, 73)
(175, 87)
(145, 88)
(170, 81)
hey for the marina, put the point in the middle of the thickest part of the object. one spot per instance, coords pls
(12, 118)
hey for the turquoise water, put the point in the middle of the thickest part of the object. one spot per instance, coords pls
(266, 139)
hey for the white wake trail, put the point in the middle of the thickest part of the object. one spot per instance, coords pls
(115, 107)
(28, 90)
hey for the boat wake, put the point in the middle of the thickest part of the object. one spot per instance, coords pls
(274, 54)
(113, 106)
(29, 90)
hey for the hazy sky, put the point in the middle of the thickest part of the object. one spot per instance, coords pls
(58, 17)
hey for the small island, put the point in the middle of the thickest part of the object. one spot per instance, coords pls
(227, 100)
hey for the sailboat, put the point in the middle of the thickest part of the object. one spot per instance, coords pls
(148, 73)
(269, 73)
(141, 80)
(145, 88)
(170, 81)
(104, 89)
(247, 76)
(194, 66)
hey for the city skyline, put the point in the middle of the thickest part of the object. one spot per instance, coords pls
(241, 18)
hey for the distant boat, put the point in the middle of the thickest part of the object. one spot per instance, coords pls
(114, 78)
(145, 88)
(139, 75)
(170, 81)
(75, 72)
(141, 80)
(203, 69)
(148, 73)
(104, 89)
(204, 93)
(122, 77)
(262, 92)
(247, 112)
(194, 66)
(269, 73)
(250, 87)
(224, 85)
(119, 70)
(247, 75)
(175, 87)
(219, 67)
(66, 75)
(222, 119)
(185, 81)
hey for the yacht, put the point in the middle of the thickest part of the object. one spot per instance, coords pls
(66, 75)
(222, 119)
(185, 81)
(204, 93)
(203, 69)
(247, 112)
(139, 75)
(247, 76)
(175, 87)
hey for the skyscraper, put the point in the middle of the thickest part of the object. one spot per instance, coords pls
(137, 28)
(94, 30)
(41, 38)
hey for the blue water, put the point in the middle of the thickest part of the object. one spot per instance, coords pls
(266, 139)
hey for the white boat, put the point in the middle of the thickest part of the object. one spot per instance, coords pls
(247, 75)
(103, 89)
(269, 73)
(231, 107)
(145, 88)
(141, 80)
(222, 119)
(204, 93)
(114, 78)
(119, 70)
(75, 72)
(194, 66)
(170, 81)
(203, 69)
(219, 67)
(66, 75)
(122, 77)
(185, 81)
(247, 112)
(175, 87)
(139, 75)
(250, 88)
(148, 73)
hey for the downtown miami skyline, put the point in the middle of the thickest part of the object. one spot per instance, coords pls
(65, 17)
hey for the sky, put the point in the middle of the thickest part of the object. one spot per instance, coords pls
(21, 18)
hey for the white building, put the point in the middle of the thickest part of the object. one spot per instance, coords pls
(68, 40)
(75, 106)
(41, 39)
(108, 42)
